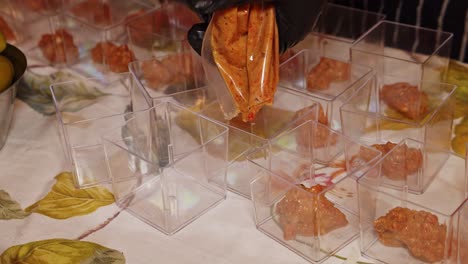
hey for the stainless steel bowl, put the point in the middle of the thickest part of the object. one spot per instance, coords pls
(7, 97)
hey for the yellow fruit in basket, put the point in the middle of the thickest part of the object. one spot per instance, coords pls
(3, 42)
(6, 73)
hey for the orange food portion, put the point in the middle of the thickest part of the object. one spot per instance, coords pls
(307, 215)
(95, 11)
(101, 51)
(42, 5)
(419, 231)
(116, 57)
(6, 30)
(402, 162)
(141, 28)
(246, 52)
(174, 68)
(322, 117)
(326, 72)
(320, 136)
(406, 99)
(58, 47)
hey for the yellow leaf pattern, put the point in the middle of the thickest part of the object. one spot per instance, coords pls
(61, 251)
(65, 201)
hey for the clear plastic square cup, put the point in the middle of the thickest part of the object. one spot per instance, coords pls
(371, 118)
(85, 110)
(337, 29)
(97, 41)
(307, 205)
(163, 174)
(162, 31)
(289, 109)
(402, 53)
(329, 81)
(398, 226)
(170, 76)
(28, 11)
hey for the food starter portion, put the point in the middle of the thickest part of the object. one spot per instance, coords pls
(419, 231)
(306, 215)
(116, 57)
(403, 161)
(406, 99)
(326, 72)
(58, 47)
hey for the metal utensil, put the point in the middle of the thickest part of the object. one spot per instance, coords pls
(7, 97)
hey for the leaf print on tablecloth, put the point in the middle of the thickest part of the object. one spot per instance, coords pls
(458, 75)
(61, 251)
(461, 137)
(10, 209)
(34, 90)
(65, 201)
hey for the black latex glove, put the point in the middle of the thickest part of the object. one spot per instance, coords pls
(295, 18)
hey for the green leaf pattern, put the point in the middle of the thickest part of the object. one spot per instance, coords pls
(34, 90)
(10, 209)
(61, 251)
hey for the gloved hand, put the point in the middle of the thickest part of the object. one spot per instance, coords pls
(295, 18)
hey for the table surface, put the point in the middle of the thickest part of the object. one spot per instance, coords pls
(33, 156)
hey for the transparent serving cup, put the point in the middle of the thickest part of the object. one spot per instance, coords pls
(329, 81)
(337, 29)
(170, 76)
(162, 31)
(165, 175)
(85, 110)
(368, 118)
(29, 11)
(399, 226)
(307, 205)
(289, 109)
(100, 44)
(402, 53)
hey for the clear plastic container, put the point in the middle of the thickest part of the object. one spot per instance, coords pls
(306, 205)
(163, 174)
(368, 118)
(337, 29)
(398, 226)
(245, 136)
(411, 163)
(85, 110)
(45, 40)
(404, 53)
(329, 81)
(100, 40)
(30, 10)
(168, 75)
(162, 31)
(37, 25)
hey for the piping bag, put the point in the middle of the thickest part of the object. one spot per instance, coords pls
(240, 57)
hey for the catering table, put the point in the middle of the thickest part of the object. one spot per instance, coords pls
(33, 156)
